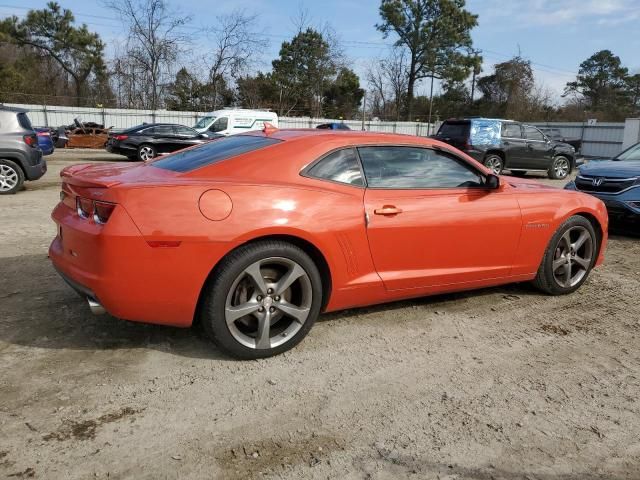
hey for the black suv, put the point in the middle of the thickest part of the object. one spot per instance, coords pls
(505, 144)
(20, 157)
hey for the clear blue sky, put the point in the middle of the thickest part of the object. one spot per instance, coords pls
(556, 35)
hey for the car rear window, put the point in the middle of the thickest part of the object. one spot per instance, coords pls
(24, 121)
(213, 152)
(454, 129)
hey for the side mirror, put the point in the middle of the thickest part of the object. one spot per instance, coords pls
(492, 182)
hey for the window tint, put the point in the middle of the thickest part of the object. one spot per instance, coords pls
(219, 125)
(532, 133)
(411, 167)
(341, 166)
(24, 121)
(213, 152)
(158, 130)
(184, 131)
(511, 130)
(454, 130)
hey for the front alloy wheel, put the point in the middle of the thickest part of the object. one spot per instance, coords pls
(569, 257)
(262, 300)
(560, 168)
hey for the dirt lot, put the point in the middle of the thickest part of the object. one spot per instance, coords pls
(503, 383)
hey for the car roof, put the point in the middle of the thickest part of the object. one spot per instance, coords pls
(317, 135)
(4, 108)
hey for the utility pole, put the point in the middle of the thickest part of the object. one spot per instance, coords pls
(476, 71)
(430, 106)
(364, 107)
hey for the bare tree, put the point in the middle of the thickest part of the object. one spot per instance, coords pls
(155, 41)
(235, 46)
(387, 80)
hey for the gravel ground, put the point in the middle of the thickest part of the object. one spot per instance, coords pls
(502, 383)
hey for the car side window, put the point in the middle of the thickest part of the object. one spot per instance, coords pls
(159, 130)
(414, 167)
(219, 125)
(184, 131)
(340, 166)
(532, 133)
(511, 130)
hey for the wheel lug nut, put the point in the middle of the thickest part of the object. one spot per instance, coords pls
(259, 297)
(270, 291)
(261, 309)
(277, 299)
(272, 309)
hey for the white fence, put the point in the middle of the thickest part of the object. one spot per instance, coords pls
(599, 140)
(120, 118)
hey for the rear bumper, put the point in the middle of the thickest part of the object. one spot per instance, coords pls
(36, 166)
(114, 266)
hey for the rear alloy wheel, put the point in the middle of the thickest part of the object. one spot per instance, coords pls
(264, 300)
(11, 177)
(494, 163)
(560, 168)
(146, 152)
(569, 257)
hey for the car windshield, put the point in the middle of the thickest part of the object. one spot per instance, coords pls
(631, 154)
(204, 121)
(213, 152)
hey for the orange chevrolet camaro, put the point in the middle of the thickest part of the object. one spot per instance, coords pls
(254, 235)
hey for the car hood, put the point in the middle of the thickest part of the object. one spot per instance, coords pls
(611, 168)
(528, 183)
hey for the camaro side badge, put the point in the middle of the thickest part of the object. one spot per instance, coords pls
(537, 225)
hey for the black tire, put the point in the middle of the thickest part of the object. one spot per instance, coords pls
(494, 162)
(560, 168)
(146, 152)
(545, 279)
(11, 177)
(219, 288)
(519, 173)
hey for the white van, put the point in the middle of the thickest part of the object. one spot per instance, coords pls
(234, 121)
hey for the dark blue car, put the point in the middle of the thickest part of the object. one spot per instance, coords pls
(617, 183)
(45, 142)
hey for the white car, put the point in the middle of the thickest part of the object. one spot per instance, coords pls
(234, 121)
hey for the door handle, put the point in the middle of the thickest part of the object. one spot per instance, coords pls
(387, 210)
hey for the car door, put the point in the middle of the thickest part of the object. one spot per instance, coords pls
(515, 146)
(431, 221)
(539, 150)
(220, 126)
(163, 138)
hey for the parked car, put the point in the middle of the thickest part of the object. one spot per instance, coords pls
(149, 140)
(20, 157)
(555, 134)
(505, 144)
(254, 235)
(45, 142)
(333, 126)
(617, 183)
(234, 121)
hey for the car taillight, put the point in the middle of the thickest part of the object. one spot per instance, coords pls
(31, 140)
(102, 211)
(120, 137)
(99, 211)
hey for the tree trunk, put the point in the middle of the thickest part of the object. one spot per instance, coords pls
(410, 88)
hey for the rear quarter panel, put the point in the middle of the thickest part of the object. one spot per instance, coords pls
(543, 211)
